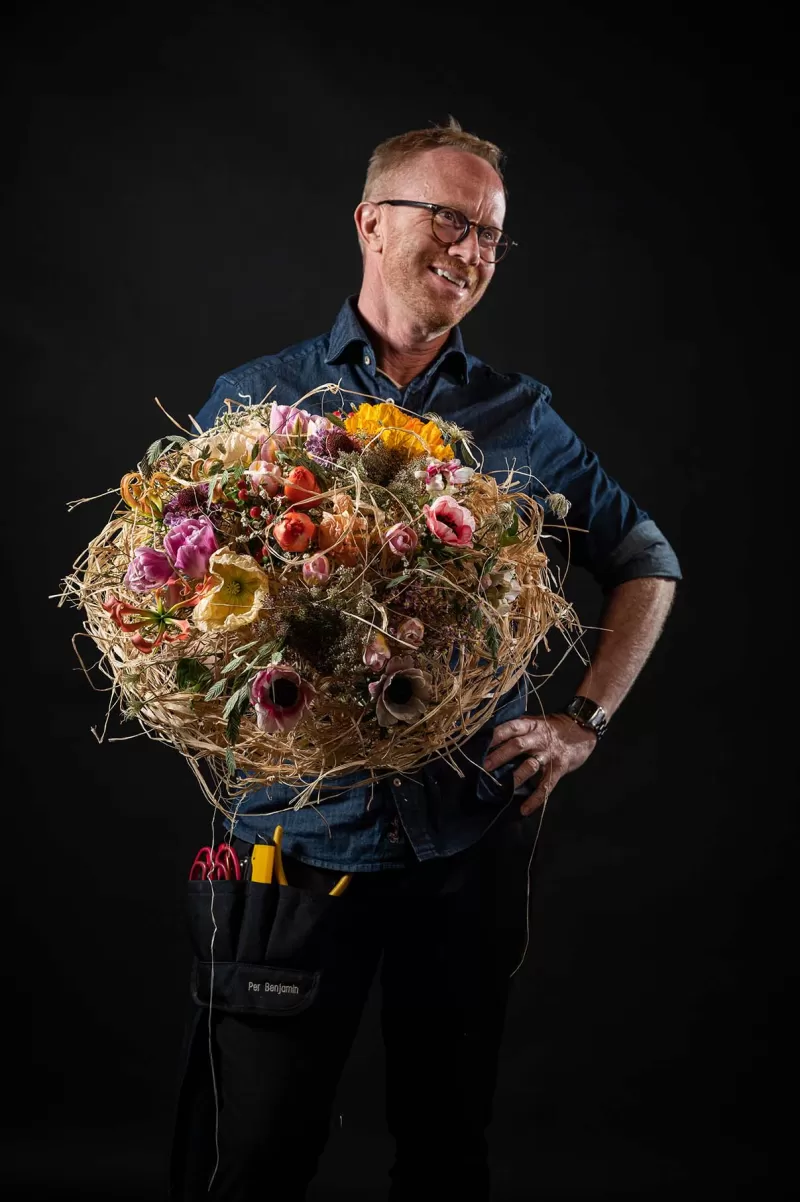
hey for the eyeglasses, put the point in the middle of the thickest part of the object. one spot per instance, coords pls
(450, 226)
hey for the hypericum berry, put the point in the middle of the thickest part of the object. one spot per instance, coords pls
(255, 511)
(243, 494)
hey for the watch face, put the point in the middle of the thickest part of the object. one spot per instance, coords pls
(586, 712)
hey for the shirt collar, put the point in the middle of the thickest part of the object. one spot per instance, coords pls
(348, 336)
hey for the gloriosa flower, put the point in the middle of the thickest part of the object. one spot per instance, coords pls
(280, 696)
(399, 430)
(161, 621)
(239, 592)
(402, 693)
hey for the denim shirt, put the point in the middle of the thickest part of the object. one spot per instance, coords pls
(433, 811)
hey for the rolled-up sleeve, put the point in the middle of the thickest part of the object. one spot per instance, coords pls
(610, 536)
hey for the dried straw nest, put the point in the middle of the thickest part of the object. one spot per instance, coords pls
(332, 740)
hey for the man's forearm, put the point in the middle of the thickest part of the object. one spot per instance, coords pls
(632, 620)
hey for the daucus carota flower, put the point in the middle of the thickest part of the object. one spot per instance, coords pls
(148, 570)
(295, 532)
(317, 569)
(403, 692)
(280, 696)
(401, 539)
(450, 522)
(190, 544)
(377, 653)
(240, 590)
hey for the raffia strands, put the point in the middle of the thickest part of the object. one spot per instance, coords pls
(332, 739)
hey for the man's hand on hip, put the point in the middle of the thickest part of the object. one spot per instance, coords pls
(552, 746)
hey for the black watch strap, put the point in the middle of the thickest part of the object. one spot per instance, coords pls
(588, 714)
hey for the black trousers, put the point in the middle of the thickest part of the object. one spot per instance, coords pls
(450, 932)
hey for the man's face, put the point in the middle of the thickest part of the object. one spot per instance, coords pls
(413, 261)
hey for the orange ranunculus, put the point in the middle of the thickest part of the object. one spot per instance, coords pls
(301, 488)
(295, 531)
(344, 537)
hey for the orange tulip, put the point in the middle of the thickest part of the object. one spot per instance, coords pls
(301, 489)
(295, 531)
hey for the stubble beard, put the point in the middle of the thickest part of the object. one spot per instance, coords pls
(407, 279)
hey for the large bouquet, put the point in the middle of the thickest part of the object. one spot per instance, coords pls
(291, 598)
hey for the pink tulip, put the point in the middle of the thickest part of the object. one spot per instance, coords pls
(265, 476)
(317, 569)
(190, 544)
(451, 523)
(148, 570)
(377, 653)
(401, 539)
(286, 421)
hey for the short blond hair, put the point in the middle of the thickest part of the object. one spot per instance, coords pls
(395, 151)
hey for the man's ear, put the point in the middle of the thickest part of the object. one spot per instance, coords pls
(368, 222)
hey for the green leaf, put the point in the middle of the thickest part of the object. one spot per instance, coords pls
(215, 468)
(510, 535)
(238, 702)
(493, 642)
(230, 758)
(191, 676)
(233, 665)
(215, 690)
(156, 450)
(277, 656)
(393, 583)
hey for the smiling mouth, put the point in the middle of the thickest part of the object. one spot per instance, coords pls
(457, 280)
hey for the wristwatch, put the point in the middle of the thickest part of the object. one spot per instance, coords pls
(588, 714)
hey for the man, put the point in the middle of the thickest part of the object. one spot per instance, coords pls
(439, 861)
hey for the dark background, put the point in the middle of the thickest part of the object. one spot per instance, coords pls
(183, 184)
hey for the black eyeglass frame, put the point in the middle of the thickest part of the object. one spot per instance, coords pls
(434, 209)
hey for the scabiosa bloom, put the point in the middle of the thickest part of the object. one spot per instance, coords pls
(328, 444)
(280, 697)
(148, 570)
(402, 693)
(188, 503)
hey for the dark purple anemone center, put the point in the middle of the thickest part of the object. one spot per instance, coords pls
(400, 690)
(284, 693)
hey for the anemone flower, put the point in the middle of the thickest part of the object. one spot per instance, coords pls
(280, 696)
(402, 693)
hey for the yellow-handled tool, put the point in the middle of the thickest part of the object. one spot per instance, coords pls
(267, 858)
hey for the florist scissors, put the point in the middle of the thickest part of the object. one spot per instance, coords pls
(219, 865)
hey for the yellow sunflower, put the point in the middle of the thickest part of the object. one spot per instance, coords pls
(399, 430)
(241, 592)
